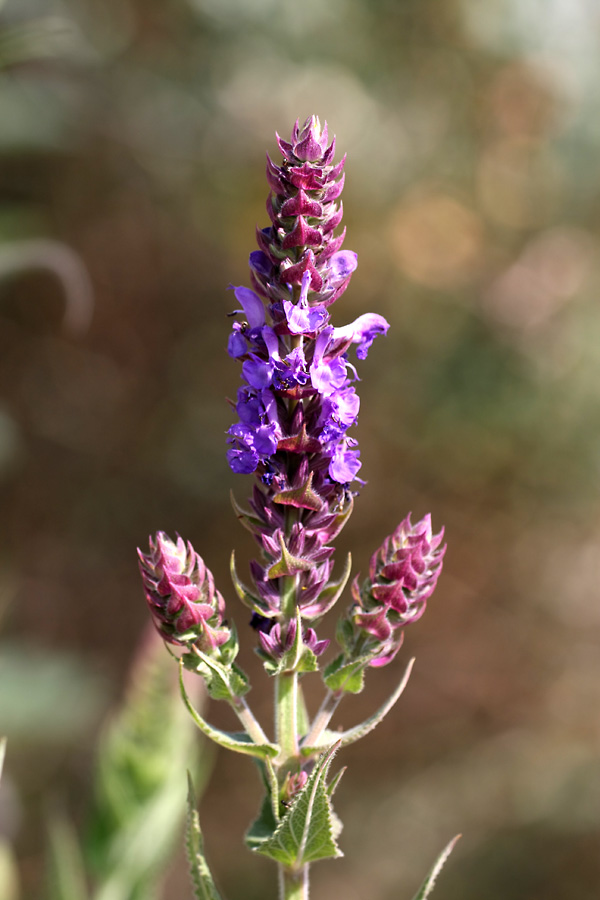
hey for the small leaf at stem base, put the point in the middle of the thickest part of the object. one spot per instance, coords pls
(346, 676)
(263, 826)
(307, 831)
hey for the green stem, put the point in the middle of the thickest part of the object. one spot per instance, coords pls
(248, 720)
(293, 885)
(288, 595)
(286, 714)
(323, 717)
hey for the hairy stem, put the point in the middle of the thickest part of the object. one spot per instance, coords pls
(286, 714)
(323, 717)
(248, 720)
(293, 885)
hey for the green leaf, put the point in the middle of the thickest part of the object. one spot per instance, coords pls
(223, 682)
(429, 883)
(308, 662)
(346, 676)
(248, 519)
(66, 879)
(345, 636)
(202, 880)
(244, 593)
(359, 731)
(139, 850)
(333, 784)
(47, 697)
(139, 803)
(307, 831)
(263, 826)
(239, 742)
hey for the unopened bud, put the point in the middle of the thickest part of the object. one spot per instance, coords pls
(180, 591)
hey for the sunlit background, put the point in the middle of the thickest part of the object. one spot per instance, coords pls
(132, 144)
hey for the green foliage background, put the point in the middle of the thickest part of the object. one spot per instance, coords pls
(132, 149)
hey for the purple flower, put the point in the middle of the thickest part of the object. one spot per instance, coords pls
(327, 374)
(301, 318)
(341, 266)
(298, 401)
(252, 305)
(250, 407)
(237, 344)
(242, 460)
(362, 331)
(345, 461)
(260, 262)
(258, 372)
(339, 412)
(291, 371)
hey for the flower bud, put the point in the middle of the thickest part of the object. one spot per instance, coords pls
(293, 784)
(404, 571)
(276, 641)
(310, 142)
(180, 591)
(402, 576)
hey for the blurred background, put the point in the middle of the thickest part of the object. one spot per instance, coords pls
(132, 177)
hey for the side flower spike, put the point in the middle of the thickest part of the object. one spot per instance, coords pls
(180, 591)
(403, 574)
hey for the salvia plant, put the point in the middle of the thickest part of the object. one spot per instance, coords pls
(294, 413)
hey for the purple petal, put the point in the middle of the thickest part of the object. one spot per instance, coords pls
(249, 408)
(304, 319)
(328, 376)
(341, 266)
(344, 463)
(265, 440)
(237, 344)
(252, 305)
(242, 462)
(362, 331)
(260, 262)
(258, 372)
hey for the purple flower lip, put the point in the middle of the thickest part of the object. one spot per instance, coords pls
(363, 332)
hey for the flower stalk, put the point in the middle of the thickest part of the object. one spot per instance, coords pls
(296, 408)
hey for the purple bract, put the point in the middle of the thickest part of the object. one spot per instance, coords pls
(180, 591)
(402, 576)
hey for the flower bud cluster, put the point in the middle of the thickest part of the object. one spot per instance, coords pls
(276, 638)
(298, 401)
(403, 574)
(180, 591)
